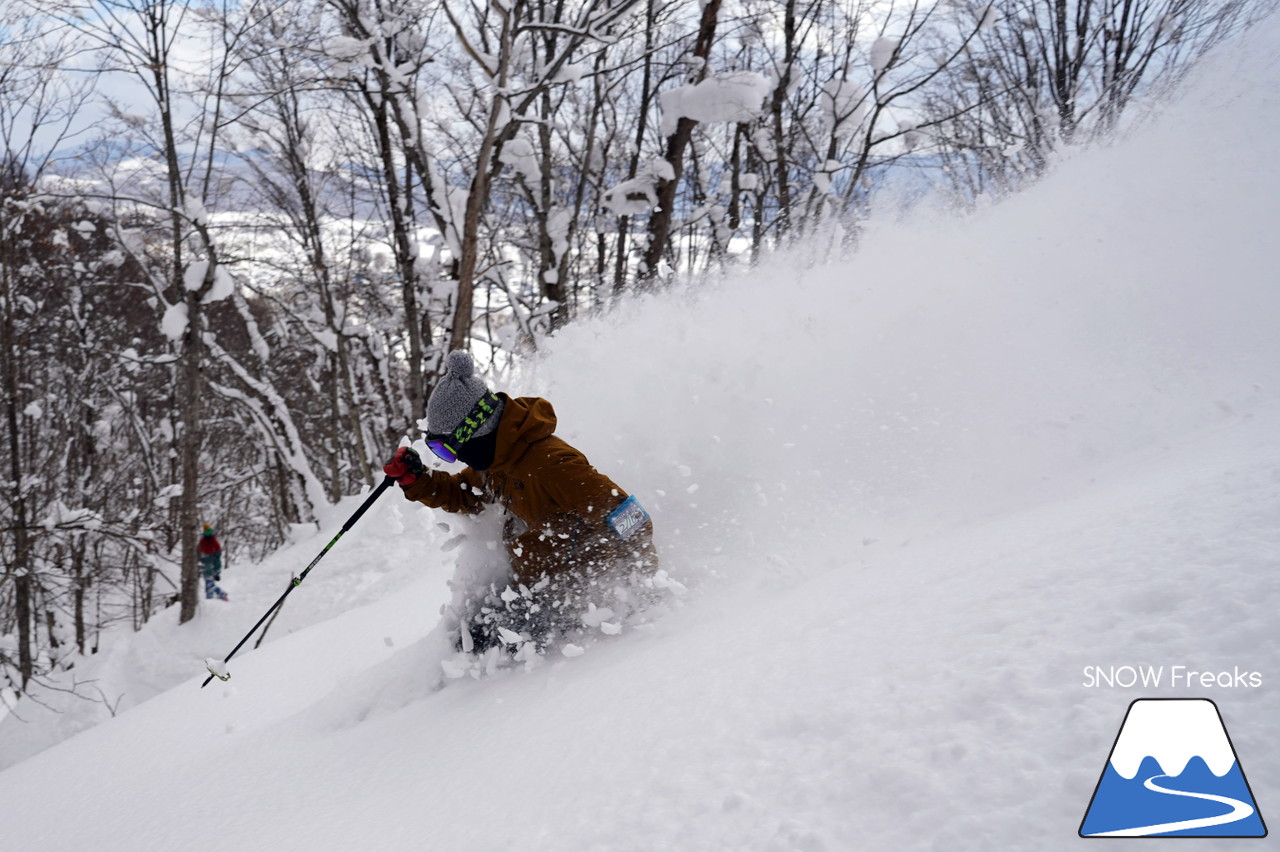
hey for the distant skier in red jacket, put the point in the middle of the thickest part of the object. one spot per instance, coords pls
(211, 564)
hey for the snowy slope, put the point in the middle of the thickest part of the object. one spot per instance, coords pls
(914, 495)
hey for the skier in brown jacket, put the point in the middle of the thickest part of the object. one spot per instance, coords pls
(570, 531)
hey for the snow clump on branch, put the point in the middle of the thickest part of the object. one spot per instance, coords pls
(640, 194)
(737, 96)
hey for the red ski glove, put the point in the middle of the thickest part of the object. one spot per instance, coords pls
(405, 466)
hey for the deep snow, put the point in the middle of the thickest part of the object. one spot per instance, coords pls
(914, 494)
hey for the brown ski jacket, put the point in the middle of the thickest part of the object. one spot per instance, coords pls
(557, 503)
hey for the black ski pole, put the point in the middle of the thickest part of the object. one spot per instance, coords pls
(297, 581)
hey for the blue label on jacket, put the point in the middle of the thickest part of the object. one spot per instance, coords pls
(628, 517)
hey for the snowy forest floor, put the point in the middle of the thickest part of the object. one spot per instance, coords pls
(913, 495)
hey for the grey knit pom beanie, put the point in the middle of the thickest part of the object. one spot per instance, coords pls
(456, 394)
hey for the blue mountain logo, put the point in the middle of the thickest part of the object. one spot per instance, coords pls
(1173, 772)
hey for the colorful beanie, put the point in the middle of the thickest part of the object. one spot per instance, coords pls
(457, 393)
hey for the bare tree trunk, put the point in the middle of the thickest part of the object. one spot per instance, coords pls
(642, 127)
(550, 268)
(191, 357)
(782, 167)
(189, 449)
(22, 605)
(662, 217)
(79, 586)
(20, 569)
(405, 249)
(478, 197)
(384, 102)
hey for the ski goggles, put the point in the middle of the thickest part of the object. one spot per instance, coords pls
(446, 445)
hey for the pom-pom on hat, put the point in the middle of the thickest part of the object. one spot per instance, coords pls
(457, 393)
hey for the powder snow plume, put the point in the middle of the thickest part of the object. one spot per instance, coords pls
(913, 492)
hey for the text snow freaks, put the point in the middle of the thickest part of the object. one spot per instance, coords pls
(1173, 677)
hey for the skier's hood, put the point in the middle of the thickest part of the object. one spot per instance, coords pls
(525, 420)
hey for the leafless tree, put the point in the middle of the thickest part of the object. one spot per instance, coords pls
(1047, 73)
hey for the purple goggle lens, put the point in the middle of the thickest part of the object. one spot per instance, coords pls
(441, 448)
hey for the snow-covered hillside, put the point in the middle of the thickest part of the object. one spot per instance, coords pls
(914, 495)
